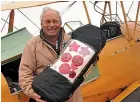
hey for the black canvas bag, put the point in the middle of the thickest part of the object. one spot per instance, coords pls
(54, 87)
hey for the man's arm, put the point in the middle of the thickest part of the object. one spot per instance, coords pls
(26, 68)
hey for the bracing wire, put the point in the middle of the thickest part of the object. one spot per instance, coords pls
(94, 4)
(68, 7)
(5, 22)
(8, 23)
(28, 18)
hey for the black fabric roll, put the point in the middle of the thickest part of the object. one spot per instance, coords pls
(54, 87)
(91, 35)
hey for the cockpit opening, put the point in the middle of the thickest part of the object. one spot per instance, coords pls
(10, 72)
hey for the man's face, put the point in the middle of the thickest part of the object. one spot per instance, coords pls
(51, 23)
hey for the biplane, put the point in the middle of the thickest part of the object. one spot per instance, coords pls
(116, 76)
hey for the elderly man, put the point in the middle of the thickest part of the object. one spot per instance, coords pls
(41, 51)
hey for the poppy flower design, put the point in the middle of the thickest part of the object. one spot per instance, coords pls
(77, 60)
(84, 51)
(74, 47)
(72, 74)
(64, 68)
(66, 57)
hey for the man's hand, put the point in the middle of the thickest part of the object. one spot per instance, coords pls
(37, 98)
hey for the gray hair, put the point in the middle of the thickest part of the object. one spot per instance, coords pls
(46, 9)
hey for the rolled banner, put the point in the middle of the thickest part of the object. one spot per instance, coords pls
(73, 60)
(58, 81)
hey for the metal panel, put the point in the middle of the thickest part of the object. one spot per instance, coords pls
(13, 43)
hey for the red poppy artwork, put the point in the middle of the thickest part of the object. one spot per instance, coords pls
(84, 51)
(66, 57)
(72, 74)
(64, 68)
(77, 60)
(74, 47)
